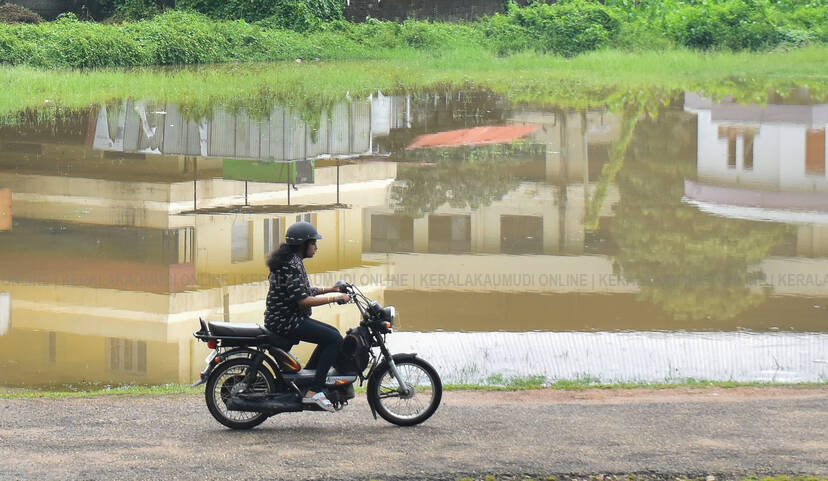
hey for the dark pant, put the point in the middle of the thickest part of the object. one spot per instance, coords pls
(329, 341)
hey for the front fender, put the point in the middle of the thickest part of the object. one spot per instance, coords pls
(378, 371)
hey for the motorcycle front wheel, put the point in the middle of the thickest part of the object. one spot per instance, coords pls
(425, 392)
(227, 380)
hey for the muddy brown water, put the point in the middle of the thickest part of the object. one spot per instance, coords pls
(514, 240)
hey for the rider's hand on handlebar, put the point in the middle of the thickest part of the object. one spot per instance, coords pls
(342, 299)
(341, 286)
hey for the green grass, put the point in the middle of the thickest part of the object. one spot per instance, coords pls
(128, 390)
(533, 382)
(634, 477)
(603, 78)
(513, 384)
(567, 28)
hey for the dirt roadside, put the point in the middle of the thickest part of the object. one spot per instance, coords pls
(668, 433)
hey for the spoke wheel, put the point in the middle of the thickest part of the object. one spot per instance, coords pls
(228, 379)
(425, 390)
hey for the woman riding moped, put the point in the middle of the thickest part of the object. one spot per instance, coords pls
(290, 299)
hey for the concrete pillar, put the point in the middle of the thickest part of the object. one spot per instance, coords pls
(552, 229)
(5, 209)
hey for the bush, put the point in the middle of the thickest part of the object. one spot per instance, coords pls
(736, 25)
(294, 15)
(179, 37)
(503, 36)
(13, 13)
(565, 28)
(296, 31)
(137, 9)
(640, 35)
(15, 50)
(70, 43)
(280, 13)
(811, 19)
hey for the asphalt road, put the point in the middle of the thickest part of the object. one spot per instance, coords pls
(692, 432)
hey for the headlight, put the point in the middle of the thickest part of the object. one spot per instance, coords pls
(390, 314)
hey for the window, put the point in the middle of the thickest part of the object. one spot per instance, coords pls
(127, 356)
(815, 152)
(241, 238)
(306, 217)
(392, 233)
(734, 134)
(272, 235)
(747, 148)
(729, 134)
(449, 233)
(186, 245)
(521, 234)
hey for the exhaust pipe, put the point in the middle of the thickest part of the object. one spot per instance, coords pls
(272, 404)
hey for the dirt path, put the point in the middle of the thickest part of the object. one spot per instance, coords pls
(668, 432)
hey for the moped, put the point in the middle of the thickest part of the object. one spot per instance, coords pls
(251, 375)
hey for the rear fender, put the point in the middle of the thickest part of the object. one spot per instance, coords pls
(247, 352)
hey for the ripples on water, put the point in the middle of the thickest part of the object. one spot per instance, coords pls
(555, 241)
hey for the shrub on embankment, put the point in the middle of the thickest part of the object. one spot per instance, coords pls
(13, 13)
(296, 30)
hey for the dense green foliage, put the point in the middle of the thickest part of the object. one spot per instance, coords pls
(293, 14)
(730, 24)
(254, 30)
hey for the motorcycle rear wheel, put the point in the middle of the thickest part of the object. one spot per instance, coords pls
(420, 376)
(220, 386)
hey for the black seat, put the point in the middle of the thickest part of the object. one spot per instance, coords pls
(256, 333)
(221, 329)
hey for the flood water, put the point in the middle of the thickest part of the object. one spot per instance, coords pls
(630, 244)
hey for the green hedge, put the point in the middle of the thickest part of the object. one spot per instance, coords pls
(566, 28)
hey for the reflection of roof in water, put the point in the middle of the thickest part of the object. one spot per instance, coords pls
(771, 199)
(475, 136)
(754, 204)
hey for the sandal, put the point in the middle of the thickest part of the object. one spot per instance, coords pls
(320, 400)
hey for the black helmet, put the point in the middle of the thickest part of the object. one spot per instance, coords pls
(301, 232)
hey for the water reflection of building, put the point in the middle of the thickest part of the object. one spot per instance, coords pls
(279, 135)
(105, 271)
(545, 211)
(764, 163)
(105, 275)
(767, 163)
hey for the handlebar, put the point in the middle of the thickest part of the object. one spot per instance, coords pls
(345, 288)
(342, 286)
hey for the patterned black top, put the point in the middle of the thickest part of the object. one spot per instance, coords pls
(288, 285)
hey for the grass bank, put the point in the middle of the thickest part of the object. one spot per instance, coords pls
(516, 384)
(602, 78)
(636, 477)
(212, 33)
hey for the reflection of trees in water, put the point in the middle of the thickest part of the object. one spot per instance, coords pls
(689, 263)
(45, 122)
(463, 177)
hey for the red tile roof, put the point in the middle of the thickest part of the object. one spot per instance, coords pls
(477, 136)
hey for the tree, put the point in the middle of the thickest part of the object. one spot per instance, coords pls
(690, 263)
